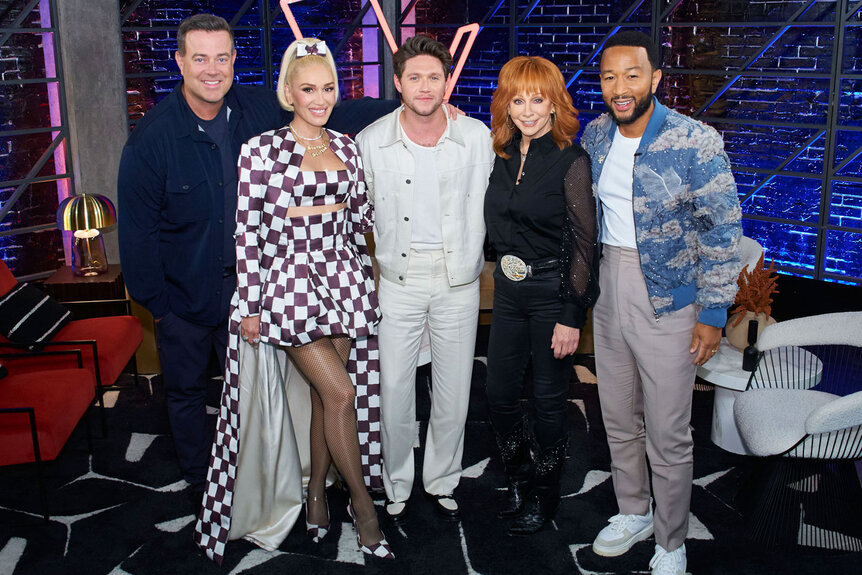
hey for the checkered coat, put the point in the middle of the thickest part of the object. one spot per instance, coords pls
(273, 160)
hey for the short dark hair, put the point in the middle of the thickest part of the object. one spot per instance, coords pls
(421, 45)
(637, 39)
(205, 22)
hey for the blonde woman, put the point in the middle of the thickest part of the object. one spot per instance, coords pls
(304, 289)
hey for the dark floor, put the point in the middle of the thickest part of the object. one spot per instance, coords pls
(121, 511)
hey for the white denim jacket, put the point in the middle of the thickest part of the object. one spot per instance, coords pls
(464, 161)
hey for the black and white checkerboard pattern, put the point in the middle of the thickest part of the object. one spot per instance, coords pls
(307, 277)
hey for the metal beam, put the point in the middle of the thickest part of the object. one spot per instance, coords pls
(829, 150)
(597, 50)
(241, 12)
(774, 38)
(19, 191)
(527, 11)
(21, 17)
(127, 13)
(669, 10)
(28, 230)
(36, 180)
(406, 11)
(351, 28)
(847, 160)
(777, 170)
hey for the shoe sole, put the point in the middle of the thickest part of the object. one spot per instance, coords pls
(623, 547)
(397, 520)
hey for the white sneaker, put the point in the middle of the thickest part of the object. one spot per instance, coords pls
(668, 562)
(623, 532)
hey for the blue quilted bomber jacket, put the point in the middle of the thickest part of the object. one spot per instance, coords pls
(686, 211)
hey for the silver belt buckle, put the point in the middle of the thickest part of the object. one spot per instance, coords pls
(513, 268)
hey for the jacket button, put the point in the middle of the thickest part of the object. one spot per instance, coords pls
(403, 255)
(220, 220)
(408, 181)
(213, 146)
(401, 278)
(406, 219)
(220, 184)
(185, 186)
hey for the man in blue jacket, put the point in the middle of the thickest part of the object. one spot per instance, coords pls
(669, 227)
(177, 204)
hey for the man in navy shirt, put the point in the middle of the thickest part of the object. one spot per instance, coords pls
(177, 203)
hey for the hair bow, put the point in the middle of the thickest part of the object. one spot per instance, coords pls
(318, 49)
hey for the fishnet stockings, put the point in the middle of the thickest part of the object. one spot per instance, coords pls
(333, 430)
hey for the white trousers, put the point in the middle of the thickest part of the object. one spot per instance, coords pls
(451, 314)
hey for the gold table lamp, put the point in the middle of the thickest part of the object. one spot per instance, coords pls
(85, 215)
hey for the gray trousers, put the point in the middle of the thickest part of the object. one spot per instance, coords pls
(645, 378)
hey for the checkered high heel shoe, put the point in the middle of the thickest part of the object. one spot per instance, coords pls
(380, 549)
(316, 532)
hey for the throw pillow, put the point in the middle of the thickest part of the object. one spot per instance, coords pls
(28, 315)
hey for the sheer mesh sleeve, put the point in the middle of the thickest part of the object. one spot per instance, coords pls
(579, 251)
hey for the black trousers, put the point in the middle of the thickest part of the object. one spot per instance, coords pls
(525, 314)
(184, 352)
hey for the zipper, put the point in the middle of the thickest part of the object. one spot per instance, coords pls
(640, 262)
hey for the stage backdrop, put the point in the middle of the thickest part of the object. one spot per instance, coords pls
(781, 80)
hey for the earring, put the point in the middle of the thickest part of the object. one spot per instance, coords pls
(509, 123)
(553, 118)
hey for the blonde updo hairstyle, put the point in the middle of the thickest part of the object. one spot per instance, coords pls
(290, 64)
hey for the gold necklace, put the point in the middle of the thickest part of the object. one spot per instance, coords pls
(313, 150)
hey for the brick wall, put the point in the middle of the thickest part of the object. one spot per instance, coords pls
(149, 51)
(551, 31)
(567, 32)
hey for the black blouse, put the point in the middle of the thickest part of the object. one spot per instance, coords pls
(551, 213)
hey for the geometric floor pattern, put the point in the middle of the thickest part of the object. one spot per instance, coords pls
(122, 510)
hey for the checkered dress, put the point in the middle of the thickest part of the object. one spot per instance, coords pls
(308, 277)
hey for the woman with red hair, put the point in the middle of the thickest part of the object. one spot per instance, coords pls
(541, 219)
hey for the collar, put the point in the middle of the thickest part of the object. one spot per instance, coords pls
(395, 133)
(542, 144)
(190, 126)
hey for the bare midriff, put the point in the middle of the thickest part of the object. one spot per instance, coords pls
(302, 211)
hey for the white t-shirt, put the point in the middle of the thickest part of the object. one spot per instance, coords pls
(427, 228)
(615, 193)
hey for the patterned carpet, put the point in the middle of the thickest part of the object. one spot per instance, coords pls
(123, 511)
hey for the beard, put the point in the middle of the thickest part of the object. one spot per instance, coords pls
(641, 107)
(426, 109)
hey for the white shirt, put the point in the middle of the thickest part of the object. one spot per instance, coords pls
(427, 227)
(615, 193)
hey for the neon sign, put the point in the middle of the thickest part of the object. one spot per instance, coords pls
(471, 29)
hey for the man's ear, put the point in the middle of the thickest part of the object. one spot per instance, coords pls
(179, 60)
(656, 78)
(397, 83)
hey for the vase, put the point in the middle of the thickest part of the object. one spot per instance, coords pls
(737, 335)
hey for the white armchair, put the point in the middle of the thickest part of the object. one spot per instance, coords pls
(803, 408)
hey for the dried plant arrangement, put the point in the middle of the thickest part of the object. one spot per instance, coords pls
(755, 290)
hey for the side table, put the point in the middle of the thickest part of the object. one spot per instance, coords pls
(93, 296)
(724, 370)
(104, 295)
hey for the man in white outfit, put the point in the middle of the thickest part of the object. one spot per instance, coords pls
(427, 176)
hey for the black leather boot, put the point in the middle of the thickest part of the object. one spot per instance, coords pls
(515, 451)
(544, 497)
